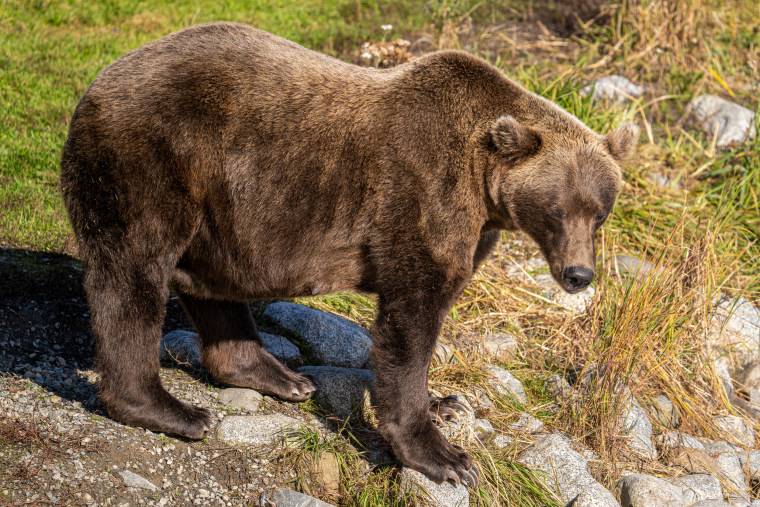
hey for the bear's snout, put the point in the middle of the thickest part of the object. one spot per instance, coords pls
(577, 278)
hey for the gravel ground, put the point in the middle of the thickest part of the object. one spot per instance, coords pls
(57, 445)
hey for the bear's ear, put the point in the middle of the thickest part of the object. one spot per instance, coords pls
(620, 142)
(513, 140)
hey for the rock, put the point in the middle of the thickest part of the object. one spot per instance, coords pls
(664, 411)
(720, 446)
(595, 495)
(443, 354)
(698, 487)
(734, 334)
(566, 471)
(575, 303)
(288, 498)
(347, 390)
(637, 428)
(674, 439)
(695, 461)
(441, 495)
(613, 88)
(737, 428)
(663, 181)
(712, 503)
(730, 469)
(133, 480)
(725, 377)
(502, 441)
(479, 399)
(334, 340)
(527, 424)
(502, 346)
(726, 121)
(750, 461)
(639, 490)
(326, 471)
(236, 397)
(521, 271)
(752, 378)
(506, 384)
(183, 347)
(256, 429)
(558, 387)
(282, 348)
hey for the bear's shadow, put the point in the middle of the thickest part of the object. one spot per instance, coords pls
(45, 325)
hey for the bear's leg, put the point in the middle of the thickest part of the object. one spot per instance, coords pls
(127, 302)
(404, 337)
(233, 353)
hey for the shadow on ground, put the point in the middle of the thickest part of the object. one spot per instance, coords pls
(45, 324)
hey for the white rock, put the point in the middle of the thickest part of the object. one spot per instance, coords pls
(712, 503)
(133, 480)
(240, 398)
(347, 390)
(731, 470)
(737, 428)
(257, 429)
(750, 461)
(442, 495)
(639, 490)
(334, 340)
(698, 487)
(729, 122)
(637, 428)
(664, 411)
(284, 497)
(575, 303)
(595, 495)
(613, 88)
(720, 446)
(502, 346)
(735, 332)
(443, 353)
(752, 377)
(506, 384)
(527, 424)
(183, 347)
(282, 348)
(565, 470)
(674, 439)
(502, 441)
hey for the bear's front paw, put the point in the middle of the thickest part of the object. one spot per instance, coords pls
(423, 448)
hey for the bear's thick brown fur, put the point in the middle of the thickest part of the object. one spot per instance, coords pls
(235, 165)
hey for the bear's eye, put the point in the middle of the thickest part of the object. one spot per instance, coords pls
(557, 214)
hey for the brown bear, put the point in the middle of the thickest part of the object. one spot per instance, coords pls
(231, 164)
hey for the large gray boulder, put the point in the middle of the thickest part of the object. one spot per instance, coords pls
(440, 495)
(726, 121)
(257, 429)
(698, 487)
(347, 390)
(284, 497)
(639, 490)
(734, 335)
(334, 340)
(565, 470)
(637, 428)
(506, 384)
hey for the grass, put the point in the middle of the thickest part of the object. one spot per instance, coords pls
(644, 335)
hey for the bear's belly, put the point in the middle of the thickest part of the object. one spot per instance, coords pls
(269, 276)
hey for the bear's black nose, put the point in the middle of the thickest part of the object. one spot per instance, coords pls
(577, 277)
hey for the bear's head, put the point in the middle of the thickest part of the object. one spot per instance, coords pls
(559, 187)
